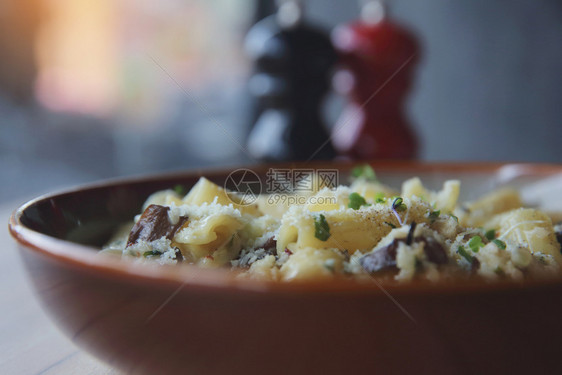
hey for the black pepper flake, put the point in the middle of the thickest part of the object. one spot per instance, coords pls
(179, 255)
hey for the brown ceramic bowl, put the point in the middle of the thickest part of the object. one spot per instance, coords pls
(171, 320)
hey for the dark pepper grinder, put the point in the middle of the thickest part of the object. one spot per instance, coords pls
(377, 59)
(293, 63)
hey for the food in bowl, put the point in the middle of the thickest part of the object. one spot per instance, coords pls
(363, 230)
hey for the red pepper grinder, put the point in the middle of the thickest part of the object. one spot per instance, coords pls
(377, 59)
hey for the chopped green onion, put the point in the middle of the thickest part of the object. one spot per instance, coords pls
(463, 253)
(499, 243)
(356, 201)
(390, 224)
(433, 215)
(379, 198)
(151, 253)
(491, 234)
(475, 243)
(321, 228)
(364, 171)
(454, 217)
(398, 204)
(180, 190)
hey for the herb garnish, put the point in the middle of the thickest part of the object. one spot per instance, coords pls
(180, 190)
(379, 198)
(475, 243)
(356, 201)
(151, 253)
(398, 204)
(433, 215)
(491, 234)
(499, 243)
(463, 253)
(454, 217)
(321, 228)
(364, 171)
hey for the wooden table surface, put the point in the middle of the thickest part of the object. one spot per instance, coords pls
(29, 341)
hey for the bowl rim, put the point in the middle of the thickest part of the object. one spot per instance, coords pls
(88, 260)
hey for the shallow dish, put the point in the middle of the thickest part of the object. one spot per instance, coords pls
(148, 320)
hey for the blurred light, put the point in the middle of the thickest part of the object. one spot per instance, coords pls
(76, 53)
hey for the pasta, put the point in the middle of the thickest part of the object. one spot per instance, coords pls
(363, 230)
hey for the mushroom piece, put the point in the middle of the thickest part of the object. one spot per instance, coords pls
(385, 257)
(153, 225)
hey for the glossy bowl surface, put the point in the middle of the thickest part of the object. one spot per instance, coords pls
(168, 320)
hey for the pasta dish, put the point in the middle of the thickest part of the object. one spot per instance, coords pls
(358, 231)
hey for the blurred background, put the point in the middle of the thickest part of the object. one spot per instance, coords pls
(98, 89)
